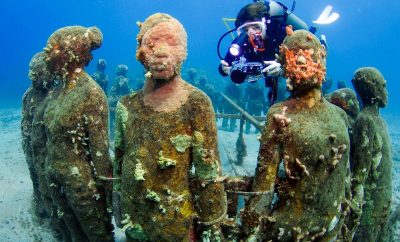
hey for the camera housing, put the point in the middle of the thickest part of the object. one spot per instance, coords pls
(246, 71)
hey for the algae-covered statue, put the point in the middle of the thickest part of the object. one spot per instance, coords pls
(100, 76)
(119, 89)
(346, 99)
(39, 72)
(299, 185)
(166, 146)
(32, 107)
(371, 161)
(76, 121)
(120, 86)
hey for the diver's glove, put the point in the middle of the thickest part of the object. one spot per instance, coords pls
(273, 68)
(225, 67)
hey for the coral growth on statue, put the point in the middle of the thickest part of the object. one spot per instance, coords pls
(303, 63)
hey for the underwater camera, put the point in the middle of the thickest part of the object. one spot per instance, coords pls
(242, 70)
(246, 71)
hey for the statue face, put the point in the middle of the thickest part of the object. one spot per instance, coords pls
(162, 50)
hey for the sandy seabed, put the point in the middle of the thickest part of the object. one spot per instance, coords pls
(17, 224)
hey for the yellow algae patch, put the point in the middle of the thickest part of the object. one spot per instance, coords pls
(186, 209)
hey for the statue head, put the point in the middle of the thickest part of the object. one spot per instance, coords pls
(303, 59)
(69, 49)
(122, 70)
(101, 65)
(39, 72)
(162, 46)
(346, 99)
(370, 85)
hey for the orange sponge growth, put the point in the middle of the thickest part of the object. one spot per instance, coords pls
(289, 30)
(300, 66)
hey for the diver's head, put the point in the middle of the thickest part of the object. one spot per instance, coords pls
(162, 46)
(251, 13)
(370, 85)
(122, 70)
(249, 33)
(101, 65)
(251, 21)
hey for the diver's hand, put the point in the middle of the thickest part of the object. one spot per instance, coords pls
(273, 68)
(225, 67)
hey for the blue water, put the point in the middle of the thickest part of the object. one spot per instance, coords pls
(364, 35)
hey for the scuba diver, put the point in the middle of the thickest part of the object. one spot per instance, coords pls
(261, 28)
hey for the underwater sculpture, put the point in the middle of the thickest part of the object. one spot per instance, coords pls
(120, 86)
(203, 84)
(76, 119)
(40, 71)
(100, 76)
(191, 74)
(299, 185)
(38, 95)
(346, 99)
(32, 113)
(372, 161)
(161, 133)
(327, 85)
(118, 89)
(139, 83)
(44, 83)
(341, 84)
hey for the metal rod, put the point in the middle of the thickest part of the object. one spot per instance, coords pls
(238, 116)
(245, 114)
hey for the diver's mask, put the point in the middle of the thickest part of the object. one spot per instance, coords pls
(256, 32)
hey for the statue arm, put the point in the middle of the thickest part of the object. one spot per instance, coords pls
(97, 128)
